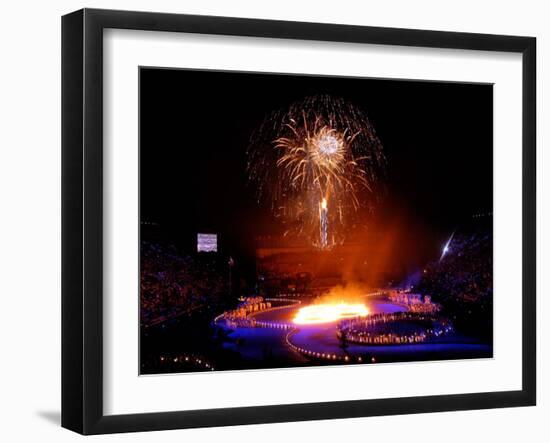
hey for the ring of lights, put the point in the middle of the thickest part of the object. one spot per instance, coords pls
(363, 330)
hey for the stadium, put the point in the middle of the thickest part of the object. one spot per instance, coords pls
(295, 221)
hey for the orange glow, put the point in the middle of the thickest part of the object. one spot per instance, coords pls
(328, 313)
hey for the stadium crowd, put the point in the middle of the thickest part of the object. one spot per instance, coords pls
(462, 281)
(172, 283)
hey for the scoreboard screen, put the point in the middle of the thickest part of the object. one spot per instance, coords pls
(207, 243)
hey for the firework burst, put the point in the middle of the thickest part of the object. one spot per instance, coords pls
(316, 163)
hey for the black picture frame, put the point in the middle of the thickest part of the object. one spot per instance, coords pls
(82, 219)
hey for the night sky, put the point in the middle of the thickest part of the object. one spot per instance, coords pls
(195, 128)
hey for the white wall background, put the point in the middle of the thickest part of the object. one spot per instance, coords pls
(30, 94)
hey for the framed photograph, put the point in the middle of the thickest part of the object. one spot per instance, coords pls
(270, 221)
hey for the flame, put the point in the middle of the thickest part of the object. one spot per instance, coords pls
(324, 204)
(328, 313)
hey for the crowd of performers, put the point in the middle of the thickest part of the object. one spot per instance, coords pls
(394, 329)
(239, 317)
(242, 316)
(414, 302)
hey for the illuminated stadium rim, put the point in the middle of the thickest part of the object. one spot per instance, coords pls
(82, 214)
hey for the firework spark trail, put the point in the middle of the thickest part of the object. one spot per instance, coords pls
(446, 246)
(324, 224)
(319, 149)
